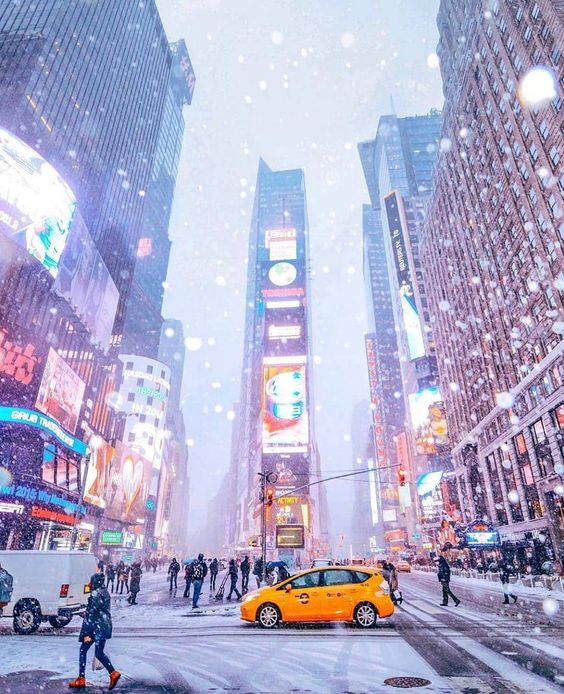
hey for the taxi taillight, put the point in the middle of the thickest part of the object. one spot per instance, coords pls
(63, 593)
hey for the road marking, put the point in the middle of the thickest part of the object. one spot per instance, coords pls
(426, 607)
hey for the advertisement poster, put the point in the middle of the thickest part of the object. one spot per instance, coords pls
(128, 484)
(282, 244)
(285, 417)
(85, 283)
(61, 392)
(97, 478)
(36, 205)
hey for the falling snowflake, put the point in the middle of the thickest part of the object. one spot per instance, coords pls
(433, 61)
(537, 88)
(277, 38)
(347, 40)
(505, 400)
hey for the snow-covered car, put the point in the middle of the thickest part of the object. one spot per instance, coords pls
(47, 586)
(321, 562)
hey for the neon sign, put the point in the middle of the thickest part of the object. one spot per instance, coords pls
(18, 415)
(16, 361)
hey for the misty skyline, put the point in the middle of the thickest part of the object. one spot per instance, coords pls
(300, 86)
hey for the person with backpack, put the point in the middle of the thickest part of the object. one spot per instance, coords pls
(96, 629)
(245, 571)
(233, 576)
(214, 570)
(258, 570)
(173, 570)
(199, 572)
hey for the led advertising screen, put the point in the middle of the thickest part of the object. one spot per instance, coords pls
(488, 538)
(282, 280)
(36, 205)
(412, 323)
(98, 473)
(61, 392)
(291, 470)
(281, 244)
(284, 407)
(285, 331)
(128, 484)
(290, 536)
(85, 283)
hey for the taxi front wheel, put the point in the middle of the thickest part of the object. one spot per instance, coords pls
(268, 616)
(365, 615)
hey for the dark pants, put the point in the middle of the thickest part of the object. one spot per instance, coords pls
(122, 585)
(213, 579)
(447, 592)
(98, 652)
(110, 581)
(187, 589)
(132, 599)
(173, 578)
(233, 587)
(507, 594)
(245, 583)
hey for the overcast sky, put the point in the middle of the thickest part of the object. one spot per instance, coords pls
(298, 82)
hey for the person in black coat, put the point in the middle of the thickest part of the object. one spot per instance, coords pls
(96, 629)
(110, 576)
(214, 570)
(134, 583)
(233, 575)
(173, 570)
(444, 580)
(245, 571)
(504, 572)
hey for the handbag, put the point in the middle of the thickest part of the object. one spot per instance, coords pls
(398, 597)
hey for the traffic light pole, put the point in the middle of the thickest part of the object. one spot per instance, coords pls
(263, 477)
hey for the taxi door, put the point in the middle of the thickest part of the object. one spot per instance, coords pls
(340, 593)
(302, 601)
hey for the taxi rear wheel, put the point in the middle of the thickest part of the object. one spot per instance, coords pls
(365, 615)
(268, 616)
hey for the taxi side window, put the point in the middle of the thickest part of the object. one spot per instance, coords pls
(337, 577)
(360, 576)
(306, 581)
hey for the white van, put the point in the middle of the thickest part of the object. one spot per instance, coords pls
(48, 586)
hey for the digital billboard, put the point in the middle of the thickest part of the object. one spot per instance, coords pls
(36, 205)
(61, 392)
(182, 70)
(84, 282)
(285, 331)
(290, 536)
(398, 233)
(285, 417)
(282, 280)
(281, 244)
(128, 484)
(98, 472)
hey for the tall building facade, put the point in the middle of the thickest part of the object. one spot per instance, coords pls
(276, 429)
(492, 250)
(398, 168)
(81, 129)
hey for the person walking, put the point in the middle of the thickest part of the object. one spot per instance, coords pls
(96, 629)
(444, 580)
(214, 570)
(199, 572)
(135, 583)
(393, 580)
(258, 570)
(505, 571)
(154, 564)
(245, 571)
(233, 576)
(110, 576)
(173, 570)
(188, 578)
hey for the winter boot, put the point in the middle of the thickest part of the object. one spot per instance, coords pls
(78, 683)
(114, 677)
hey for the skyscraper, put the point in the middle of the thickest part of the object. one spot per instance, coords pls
(276, 431)
(493, 259)
(398, 166)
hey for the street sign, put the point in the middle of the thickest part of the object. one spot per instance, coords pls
(111, 537)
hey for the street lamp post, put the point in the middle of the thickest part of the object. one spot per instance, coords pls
(265, 478)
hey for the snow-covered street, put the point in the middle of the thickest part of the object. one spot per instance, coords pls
(163, 646)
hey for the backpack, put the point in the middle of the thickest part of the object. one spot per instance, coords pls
(198, 572)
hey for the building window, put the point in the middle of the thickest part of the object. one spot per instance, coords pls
(130, 397)
(142, 418)
(538, 432)
(534, 152)
(556, 55)
(131, 437)
(129, 365)
(544, 130)
(554, 207)
(553, 257)
(535, 12)
(527, 33)
(554, 155)
(140, 382)
(149, 369)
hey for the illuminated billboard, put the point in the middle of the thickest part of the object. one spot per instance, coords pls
(429, 420)
(84, 282)
(97, 478)
(398, 231)
(285, 331)
(285, 417)
(282, 244)
(290, 536)
(61, 392)
(128, 482)
(36, 205)
(419, 404)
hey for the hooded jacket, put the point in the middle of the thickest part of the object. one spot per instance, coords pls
(97, 622)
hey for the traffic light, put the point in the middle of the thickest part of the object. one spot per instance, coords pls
(269, 496)
(402, 475)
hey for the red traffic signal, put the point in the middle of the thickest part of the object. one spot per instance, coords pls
(402, 477)
(269, 497)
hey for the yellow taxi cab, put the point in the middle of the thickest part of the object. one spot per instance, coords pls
(404, 566)
(328, 594)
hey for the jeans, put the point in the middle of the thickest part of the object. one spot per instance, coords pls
(448, 593)
(173, 577)
(213, 579)
(98, 652)
(245, 583)
(233, 587)
(197, 590)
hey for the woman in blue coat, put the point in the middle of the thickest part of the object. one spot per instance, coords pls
(96, 629)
